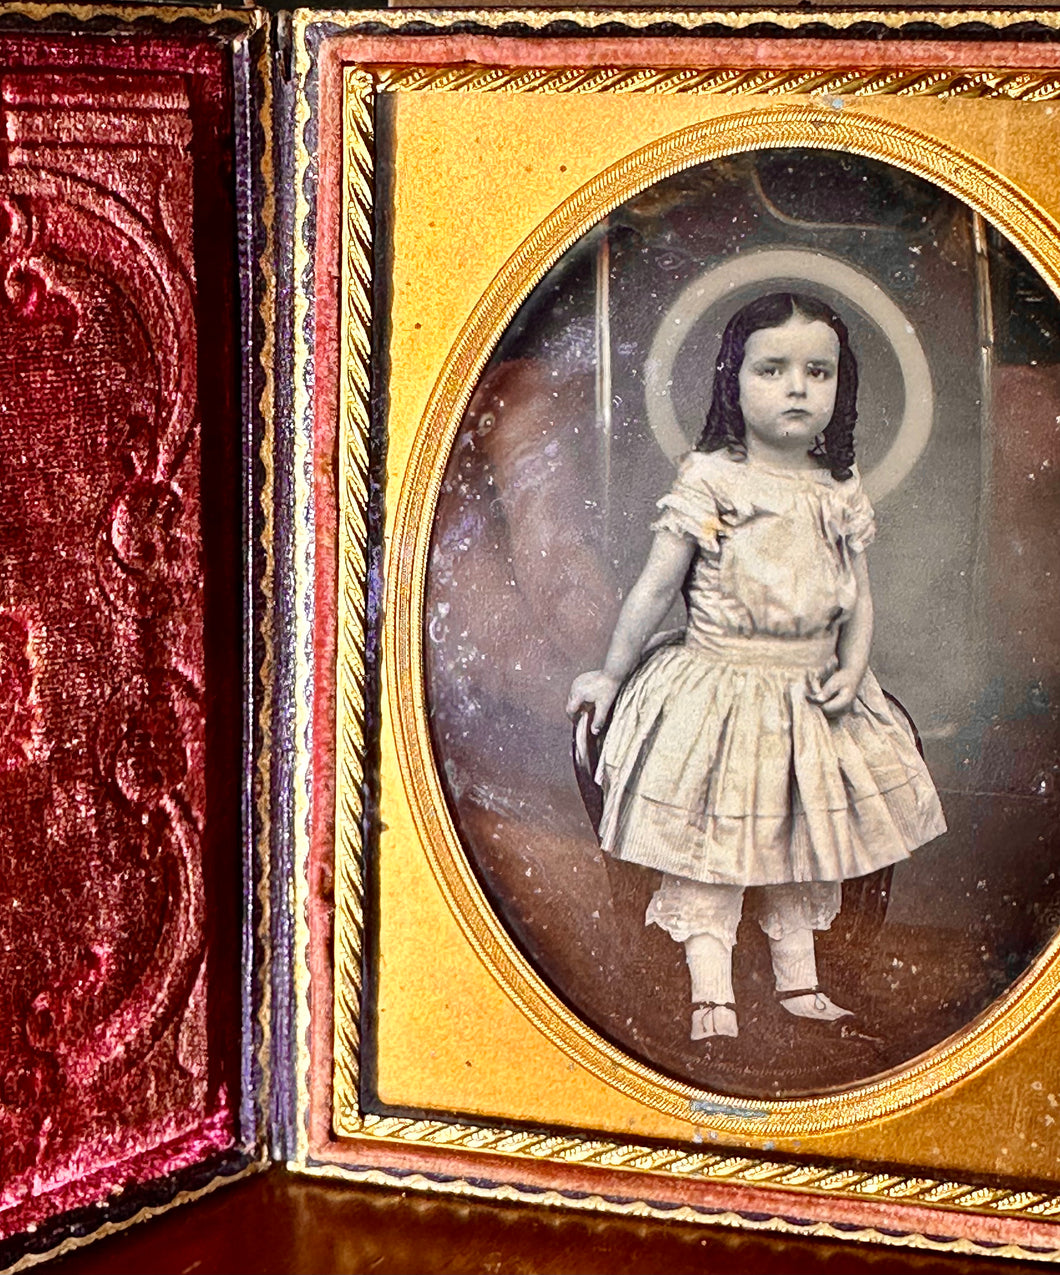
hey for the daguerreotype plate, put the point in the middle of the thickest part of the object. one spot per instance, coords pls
(595, 390)
(541, 245)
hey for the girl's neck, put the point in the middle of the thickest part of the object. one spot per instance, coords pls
(795, 459)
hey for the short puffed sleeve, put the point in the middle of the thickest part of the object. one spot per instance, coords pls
(859, 524)
(691, 508)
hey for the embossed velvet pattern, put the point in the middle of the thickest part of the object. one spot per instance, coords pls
(109, 642)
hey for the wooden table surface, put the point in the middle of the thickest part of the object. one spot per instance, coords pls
(278, 1224)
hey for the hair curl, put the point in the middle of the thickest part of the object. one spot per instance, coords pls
(725, 427)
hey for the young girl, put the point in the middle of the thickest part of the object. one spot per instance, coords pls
(760, 750)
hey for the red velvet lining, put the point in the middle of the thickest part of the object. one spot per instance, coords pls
(119, 617)
(325, 454)
(695, 52)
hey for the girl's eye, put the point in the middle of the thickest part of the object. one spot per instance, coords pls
(819, 373)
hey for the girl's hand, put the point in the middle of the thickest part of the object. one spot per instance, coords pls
(593, 693)
(838, 693)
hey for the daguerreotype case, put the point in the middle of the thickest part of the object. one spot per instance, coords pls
(369, 380)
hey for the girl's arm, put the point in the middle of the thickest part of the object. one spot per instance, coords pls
(642, 612)
(855, 638)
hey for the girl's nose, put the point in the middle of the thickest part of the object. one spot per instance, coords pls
(796, 382)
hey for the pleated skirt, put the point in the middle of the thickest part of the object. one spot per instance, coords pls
(717, 767)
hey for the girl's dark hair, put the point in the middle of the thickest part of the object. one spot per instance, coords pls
(725, 424)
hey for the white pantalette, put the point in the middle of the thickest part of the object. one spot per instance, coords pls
(705, 918)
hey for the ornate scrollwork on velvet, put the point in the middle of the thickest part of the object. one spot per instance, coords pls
(27, 290)
(18, 717)
(102, 731)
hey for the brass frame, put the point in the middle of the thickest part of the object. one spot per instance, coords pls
(1035, 233)
(809, 126)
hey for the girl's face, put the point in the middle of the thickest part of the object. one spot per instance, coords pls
(787, 386)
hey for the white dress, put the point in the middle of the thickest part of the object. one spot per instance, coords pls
(716, 767)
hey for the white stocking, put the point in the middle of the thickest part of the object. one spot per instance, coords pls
(795, 967)
(710, 967)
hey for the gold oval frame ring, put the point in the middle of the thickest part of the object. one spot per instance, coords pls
(988, 193)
